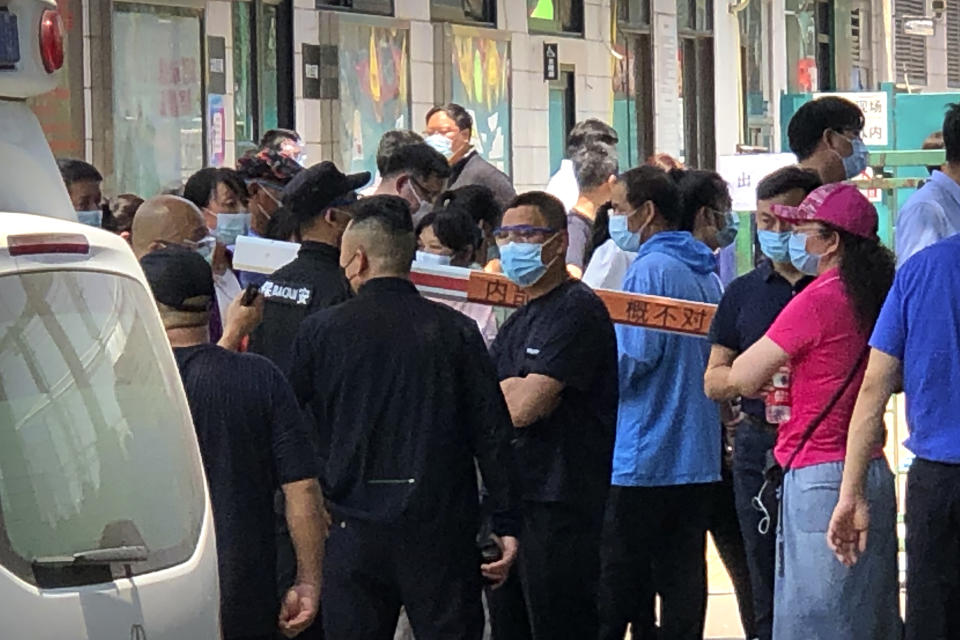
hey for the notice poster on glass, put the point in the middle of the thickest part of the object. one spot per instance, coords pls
(481, 84)
(157, 98)
(374, 90)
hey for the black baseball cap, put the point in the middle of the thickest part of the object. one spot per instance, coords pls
(176, 275)
(321, 186)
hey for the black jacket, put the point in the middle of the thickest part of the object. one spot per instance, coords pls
(473, 169)
(312, 282)
(404, 399)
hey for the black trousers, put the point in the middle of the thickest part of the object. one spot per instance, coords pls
(553, 592)
(751, 444)
(654, 542)
(724, 526)
(933, 551)
(371, 570)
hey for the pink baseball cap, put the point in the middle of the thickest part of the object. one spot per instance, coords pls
(837, 204)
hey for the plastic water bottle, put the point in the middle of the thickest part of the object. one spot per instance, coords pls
(778, 400)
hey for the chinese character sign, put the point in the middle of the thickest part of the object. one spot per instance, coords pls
(875, 112)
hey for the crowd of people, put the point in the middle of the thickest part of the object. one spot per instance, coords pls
(372, 452)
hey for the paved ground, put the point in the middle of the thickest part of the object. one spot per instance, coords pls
(723, 618)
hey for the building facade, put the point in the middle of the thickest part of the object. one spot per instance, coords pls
(156, 89)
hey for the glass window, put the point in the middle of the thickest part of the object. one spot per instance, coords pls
(481, 84)
(695, 15)
(562, 16)
(157, 98)
(382, 7)
(374, 90)
(633, 12)
(96, 439)
(244, 107)
(802, 71)
(472, 11)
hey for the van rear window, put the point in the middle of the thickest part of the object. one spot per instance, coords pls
(97, 449)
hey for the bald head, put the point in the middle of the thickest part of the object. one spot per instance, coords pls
(166, 220)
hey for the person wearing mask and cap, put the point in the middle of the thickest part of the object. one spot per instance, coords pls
(449, 131)
(417, 173)
(556, 358)
(825, 136)
(252, 440)
(83, 185)
(265, 174)
(316, 199)
(821, 337)
(406, 408)
(749, 306)
(172, 221)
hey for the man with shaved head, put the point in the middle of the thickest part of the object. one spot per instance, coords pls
(403, 398)
(171, 221)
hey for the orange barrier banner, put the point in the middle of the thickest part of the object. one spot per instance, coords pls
(651, 312)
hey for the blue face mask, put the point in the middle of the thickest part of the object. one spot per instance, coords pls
(856, 162)
(728, 233)
(522, 263)
(94, 217)
(231, 225)
(433, 259)
(621, 234)
(441, 144)
(775, 246)
(206, 247)
(806, 263)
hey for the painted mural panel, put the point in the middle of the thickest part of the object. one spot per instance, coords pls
(481, 84)
(374, 90)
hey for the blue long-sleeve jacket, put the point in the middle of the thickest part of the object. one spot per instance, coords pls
(668, 431)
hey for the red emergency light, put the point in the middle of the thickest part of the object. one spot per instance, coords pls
(51, 40)
(31, 244)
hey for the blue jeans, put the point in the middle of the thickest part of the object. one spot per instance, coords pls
(817, 597)
(750, 447)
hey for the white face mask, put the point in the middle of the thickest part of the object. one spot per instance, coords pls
(433, 259)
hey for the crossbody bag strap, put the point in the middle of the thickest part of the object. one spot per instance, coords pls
(827, 408)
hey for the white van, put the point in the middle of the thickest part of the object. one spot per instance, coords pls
(106, 529)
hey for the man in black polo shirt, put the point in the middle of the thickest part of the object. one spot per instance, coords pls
(557, 362)
(316, 197)
(252, 441)
(404, 399)
(748, 308)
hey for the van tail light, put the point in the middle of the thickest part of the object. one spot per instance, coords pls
(31, 244)
(51, 40)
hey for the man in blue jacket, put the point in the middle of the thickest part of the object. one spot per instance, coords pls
(667, 449)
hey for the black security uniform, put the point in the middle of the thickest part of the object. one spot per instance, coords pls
(312, 282)
(565, 463)
(404, 399)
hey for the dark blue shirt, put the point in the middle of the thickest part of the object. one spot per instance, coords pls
(920, 325)
(566, 335)
(749, 306)
(253, 439)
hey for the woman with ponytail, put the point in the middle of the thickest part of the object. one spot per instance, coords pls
(818, 345)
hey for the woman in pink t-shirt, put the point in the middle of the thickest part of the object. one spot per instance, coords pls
(822, 336)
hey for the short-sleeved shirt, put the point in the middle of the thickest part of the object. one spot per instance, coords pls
(749, 306)
(820, 332)
(312, 282)
(931, 214)
(580, 232)
(566, 335)
(920, 325)
(252, 440)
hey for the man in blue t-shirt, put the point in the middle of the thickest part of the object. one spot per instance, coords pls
(916, 344)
